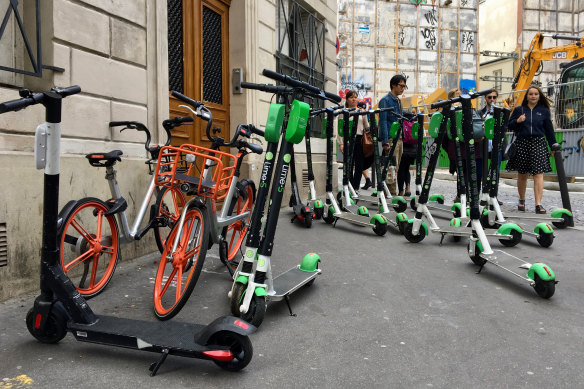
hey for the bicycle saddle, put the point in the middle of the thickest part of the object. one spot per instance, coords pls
(104, 159)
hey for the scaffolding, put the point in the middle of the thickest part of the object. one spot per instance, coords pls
(432, 45)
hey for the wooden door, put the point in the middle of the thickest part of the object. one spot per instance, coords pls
(205, 33)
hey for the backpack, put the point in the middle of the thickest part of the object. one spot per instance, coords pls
(408, 138)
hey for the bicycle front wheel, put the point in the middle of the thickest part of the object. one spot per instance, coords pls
(169, 204)
(179, 270)
(89, 246)
(235, 233)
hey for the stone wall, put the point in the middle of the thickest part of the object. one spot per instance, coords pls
(116, 51)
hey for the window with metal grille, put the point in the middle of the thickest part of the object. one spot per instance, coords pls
(3, 245)
(175, 46)
(300, 53)
(212, 57)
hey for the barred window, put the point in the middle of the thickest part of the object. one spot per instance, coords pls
(212, 57)
(300, 53)
(175, 46)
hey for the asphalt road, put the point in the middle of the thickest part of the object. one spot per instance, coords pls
(384, 313)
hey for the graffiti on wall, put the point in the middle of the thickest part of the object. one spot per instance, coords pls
(431, 17)
(467, 41)
(347, 83)
(429, 35)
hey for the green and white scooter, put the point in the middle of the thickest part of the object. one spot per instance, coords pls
(539, 275)
(398, 203)
(334, 212)
(491, 215)
(416, 229)
(254, 283)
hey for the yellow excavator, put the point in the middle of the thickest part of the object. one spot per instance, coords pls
(532, 61)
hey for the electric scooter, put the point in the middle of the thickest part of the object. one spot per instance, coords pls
(254, 283)
(398, 203)
(334, 212)
(542, 232)
(559, 217)
(60, 308)
(539, 275)
(415, 230)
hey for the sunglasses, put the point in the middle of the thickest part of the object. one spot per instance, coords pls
(403, 86)
(492, 97)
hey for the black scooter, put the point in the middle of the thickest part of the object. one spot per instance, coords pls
(60, 308)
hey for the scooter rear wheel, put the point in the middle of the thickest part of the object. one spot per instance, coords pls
(239, 345)
(512, 242)
(545, 239)
(566, 221)
(257, 306)
(55, 327)
(544, 289)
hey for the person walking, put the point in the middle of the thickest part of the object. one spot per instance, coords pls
(486, 112)
(397, 86)
(408, 157)
(360, 162)
(532, 124)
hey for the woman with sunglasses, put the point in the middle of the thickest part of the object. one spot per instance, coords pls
(532, 124)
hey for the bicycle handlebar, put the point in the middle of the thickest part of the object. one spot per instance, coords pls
(29, 98)
(319, 93)
(194, 103)
(134, 126)
(472, 95)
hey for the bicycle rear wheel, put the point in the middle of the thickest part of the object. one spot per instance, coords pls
(89, 246)
(179, 270)
(169, 204)
(235, 233)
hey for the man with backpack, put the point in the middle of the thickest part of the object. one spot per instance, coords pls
(397, 86)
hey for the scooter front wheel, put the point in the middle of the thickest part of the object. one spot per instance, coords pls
(544, 289)
(257, 306)
(410, 235)
(476, 258)
(239, 345)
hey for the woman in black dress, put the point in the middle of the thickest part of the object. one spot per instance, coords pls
(532, 124)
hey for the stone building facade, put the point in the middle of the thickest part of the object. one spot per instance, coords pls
(118, 52)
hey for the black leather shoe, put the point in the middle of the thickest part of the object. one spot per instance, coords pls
(368, 184)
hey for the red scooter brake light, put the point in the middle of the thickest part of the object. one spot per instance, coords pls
(219, 355)
(241, 324)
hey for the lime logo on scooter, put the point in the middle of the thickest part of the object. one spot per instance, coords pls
(249, 253)
(284, 174)
(261, 262)
(267, 165)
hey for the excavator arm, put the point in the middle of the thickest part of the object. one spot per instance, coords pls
(536, 54)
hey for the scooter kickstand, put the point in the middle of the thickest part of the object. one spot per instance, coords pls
(480, 268)
(156, 365)
(441, 239)
(287, 299)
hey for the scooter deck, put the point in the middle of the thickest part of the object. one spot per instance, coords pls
(534, 217)
(467, 231)
(178, 338)
(440, 207)
(354, 219)
(290, 281)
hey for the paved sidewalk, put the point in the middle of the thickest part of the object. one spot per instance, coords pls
(385, 313)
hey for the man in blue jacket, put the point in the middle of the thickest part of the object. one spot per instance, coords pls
(397, 86)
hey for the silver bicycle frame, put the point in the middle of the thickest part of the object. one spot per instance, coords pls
(129, 235)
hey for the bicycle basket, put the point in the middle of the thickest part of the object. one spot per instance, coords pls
(202, 168)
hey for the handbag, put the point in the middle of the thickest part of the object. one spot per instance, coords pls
(367, 144)
(510, 150)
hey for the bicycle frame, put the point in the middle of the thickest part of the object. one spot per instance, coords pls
(129, 235)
